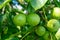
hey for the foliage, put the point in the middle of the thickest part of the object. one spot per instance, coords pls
(10, 8)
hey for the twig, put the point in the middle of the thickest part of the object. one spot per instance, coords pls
(25, 36)
(3, 10)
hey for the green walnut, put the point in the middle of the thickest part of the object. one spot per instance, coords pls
(53, 25)
(40, 31)
(33, 19)
(19, 20)
(56, 13)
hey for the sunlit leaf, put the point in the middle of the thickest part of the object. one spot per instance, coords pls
(3, 3)
(37, 4)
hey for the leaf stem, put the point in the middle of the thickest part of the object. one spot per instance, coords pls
(25, 36)
(45, 15)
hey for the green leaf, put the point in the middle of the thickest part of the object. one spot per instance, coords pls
(3, 3)
(12, 38)
(30, 9)
(27, 0)
(31, 36)
(37, 4)
(57, 3)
